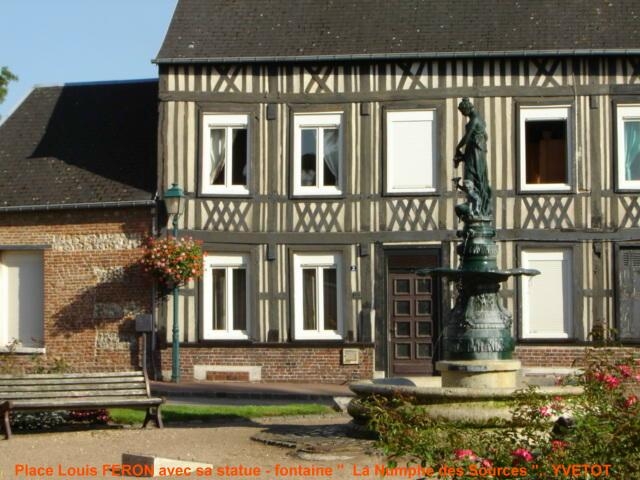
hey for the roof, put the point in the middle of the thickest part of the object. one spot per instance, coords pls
(77, 144)
(281, 30)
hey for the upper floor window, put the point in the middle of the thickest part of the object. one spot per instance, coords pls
(317, 293)
(225, 154)
(628, 146)
(317, 154)
(225, 300)
(545, 148)
(410, 163)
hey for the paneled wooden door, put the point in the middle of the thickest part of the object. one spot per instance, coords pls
(412, 317)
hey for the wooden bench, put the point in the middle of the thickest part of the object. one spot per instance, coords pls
(77, 391)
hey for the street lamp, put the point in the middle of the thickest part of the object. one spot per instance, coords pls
(174, 202)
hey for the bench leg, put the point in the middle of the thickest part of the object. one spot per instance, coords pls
(153, 413)
(7, 426)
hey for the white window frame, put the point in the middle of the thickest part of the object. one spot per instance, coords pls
(555, 112)
(5, 339)
(320, 262)
(396, 117)
(229, 262)
(624, 112)
(228, 122)
(531, 258)
(320, 121)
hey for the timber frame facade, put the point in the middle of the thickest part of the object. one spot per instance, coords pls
(594, 219)
(363, 232)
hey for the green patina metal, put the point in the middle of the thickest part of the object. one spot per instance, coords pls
(479, 327)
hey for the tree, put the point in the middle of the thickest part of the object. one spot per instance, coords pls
(6, 76)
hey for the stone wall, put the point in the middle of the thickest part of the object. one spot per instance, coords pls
(93, 288)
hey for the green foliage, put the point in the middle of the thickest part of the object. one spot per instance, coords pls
(204, 413)
(545, 435)
(6, 76)
(36, 421)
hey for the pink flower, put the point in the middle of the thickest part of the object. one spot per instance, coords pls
(625, 370)
(468, 454)
(545, 411)
(558, 445)
(630, 401)
(486, 463)
(522, 454)
(611, 381)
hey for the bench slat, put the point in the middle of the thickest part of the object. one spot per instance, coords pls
(78, 393)
(73, 375)
(65, 381)
(7, 390)
(49, 404)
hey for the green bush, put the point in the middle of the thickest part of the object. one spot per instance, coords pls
(593, 435)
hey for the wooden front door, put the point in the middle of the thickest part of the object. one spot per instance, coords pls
(411, 313)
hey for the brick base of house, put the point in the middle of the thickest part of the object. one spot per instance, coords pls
(268, 364)
(564, 356)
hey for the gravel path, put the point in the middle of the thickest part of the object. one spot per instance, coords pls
(318, 445)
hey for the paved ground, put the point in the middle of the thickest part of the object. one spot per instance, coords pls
(316, 447)
(298, 447)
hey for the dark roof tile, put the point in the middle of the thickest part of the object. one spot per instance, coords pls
(219, 30)
(81, 143)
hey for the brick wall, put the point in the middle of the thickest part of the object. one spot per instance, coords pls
(93, 288)
(562, 356)
(279, 363)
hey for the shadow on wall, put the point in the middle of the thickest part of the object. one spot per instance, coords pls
(95, 329)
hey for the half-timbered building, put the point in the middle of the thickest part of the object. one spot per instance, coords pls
(315, 143)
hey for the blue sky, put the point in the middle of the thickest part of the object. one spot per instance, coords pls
(48, 42)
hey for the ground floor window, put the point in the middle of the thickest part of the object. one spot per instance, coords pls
(547, 299)
(629, 294)
(225, 297)
(317, 294)
(21, 298)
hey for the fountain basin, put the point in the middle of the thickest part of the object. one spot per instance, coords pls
(469, 404)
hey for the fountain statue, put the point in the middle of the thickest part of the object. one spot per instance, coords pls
(477, 337)
(476, 363)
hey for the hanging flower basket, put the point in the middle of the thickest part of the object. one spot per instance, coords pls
(172, 261)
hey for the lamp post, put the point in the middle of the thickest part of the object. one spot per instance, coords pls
(174, 202)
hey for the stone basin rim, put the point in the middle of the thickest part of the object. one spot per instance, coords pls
(368, 387)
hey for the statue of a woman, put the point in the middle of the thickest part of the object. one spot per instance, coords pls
(472, 150)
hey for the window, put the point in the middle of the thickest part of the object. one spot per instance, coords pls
(628, 146)
(21, 299)
(225, 154)
(317, 296)
(411, 151)
(317, 154)
(547, 299)
(628, 300)
(545, 148)
(225, 298)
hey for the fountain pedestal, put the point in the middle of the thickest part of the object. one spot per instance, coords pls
(480, 374)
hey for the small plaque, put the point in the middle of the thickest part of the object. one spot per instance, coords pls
(350, 356)
(144, 323)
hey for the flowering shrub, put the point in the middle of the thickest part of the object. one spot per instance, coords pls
(594, 435)
(172, 261)
(93, 417)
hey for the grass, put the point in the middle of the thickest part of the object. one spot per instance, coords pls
(205, 413)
